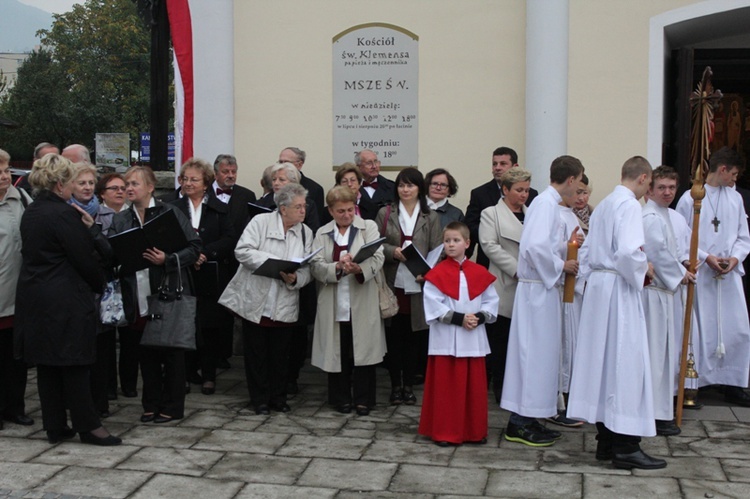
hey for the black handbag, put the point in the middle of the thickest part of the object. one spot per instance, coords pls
(170, 322)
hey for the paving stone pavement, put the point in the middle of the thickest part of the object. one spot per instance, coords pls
(221, 449)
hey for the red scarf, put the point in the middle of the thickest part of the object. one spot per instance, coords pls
(446, 277)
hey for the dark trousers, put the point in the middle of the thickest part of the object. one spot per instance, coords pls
(12, 378)
(297, 351)
(163, 372)
(62, 387)
(130, 340)
(104, 368)
(209, 353)
(266, 352)
(354, 384)
(619, 443)
(497, 336)
(403, 351)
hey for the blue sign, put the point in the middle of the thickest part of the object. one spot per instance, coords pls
(146, 146)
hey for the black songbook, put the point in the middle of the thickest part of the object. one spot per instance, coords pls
(367, 250)
(417, 263)
(206, 279)
(272, 267)
(162, 232)
(256, 209)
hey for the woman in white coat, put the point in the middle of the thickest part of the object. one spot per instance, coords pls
(349, 337)
(500, 230)
(269, 307)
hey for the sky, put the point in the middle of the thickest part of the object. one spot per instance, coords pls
(52, 6)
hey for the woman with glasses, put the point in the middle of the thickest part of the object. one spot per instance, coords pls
(348, 175)
(110, 189)
(440, 186)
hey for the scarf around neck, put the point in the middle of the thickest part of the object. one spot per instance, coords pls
(92, 207)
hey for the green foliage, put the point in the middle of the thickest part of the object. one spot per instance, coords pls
(91, 75)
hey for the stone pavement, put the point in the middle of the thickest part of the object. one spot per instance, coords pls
(223, 450)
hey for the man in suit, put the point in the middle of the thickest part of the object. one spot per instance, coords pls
(227, 191)
(375, 188)
(486, 195)
(297, 156)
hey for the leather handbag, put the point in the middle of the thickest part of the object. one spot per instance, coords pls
(171, 316)
(386, 298)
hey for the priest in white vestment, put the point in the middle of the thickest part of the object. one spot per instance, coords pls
(532, 364)
(722, 342)
(611, 383)
(663, 252)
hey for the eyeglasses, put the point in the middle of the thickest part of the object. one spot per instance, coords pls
(115, 188)
(438, 185)
(298, 207)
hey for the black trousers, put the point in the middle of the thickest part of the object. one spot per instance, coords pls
(403, 351)
(163, 372)
(210, 352)
(497, 336)
(266, 352)
(130, 340)
(104, 368)
(62, 387)
(354, 384)
(12, 378)
(619, 443)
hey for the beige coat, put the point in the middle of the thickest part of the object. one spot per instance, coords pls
(11, 210)
(499, 237)
(264, 238)
(368, 333)
(427, 236)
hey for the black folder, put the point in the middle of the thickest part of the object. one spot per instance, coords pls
(367, 250)
(272, 266)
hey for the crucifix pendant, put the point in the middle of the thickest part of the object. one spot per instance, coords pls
(716, 223)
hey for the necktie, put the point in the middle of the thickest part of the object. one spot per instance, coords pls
(373, 184)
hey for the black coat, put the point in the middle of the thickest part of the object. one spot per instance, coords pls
(127, 219)
(482, 197)
(383, 195)
(55, 318)
(238, 208)
(317, 194)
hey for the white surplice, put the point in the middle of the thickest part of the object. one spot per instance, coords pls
(571, 312)
(662, 251)
(532, 365)
(611, 380)
(722, 342)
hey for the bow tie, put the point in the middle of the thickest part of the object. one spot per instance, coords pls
(373, 184)
(220, 191)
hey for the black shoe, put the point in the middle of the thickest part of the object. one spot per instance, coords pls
(21, 419)
(163, 418)
(736, 396)
(396, 396)
(527, 435)
(208, 388)
(477, 442)
(282, 407)
(537, 426)
(104, 414)
(147, 417)
(262, 409)
(667, 428)
(408, 396)
(362, 410)
(344, 408)
(292, 388)
(638, 459)
(130, 393)
(442, 443)
(195, 378)
(54, 436)
(89, 438)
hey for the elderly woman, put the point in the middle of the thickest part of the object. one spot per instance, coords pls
(348, 175)
(12, 371)
(500, 229)
(349, 335)
(56, 317)
(210, 219)
(269, 306)
(110, 189)
(440, 186)
(281, 175)
(162, 369)
(405, 222)
(582, 208)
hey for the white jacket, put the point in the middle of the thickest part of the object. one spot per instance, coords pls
(264, 238)
(11, 210)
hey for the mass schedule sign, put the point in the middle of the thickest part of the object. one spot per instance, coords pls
(375, 94)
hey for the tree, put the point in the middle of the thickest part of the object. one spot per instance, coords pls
(91, 75)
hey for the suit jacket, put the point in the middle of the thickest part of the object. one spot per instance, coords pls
(383, 195)
(317, 194)
(238, 207)
(482, 197)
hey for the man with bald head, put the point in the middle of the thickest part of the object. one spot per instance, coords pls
(77, 153)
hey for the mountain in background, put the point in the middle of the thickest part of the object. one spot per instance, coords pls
(18, 26)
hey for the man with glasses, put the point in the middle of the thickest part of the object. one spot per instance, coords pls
(486, 195)
(375, 187)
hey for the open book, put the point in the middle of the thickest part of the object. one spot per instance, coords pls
(419, 264)
(162, 232)
(272, 267)
(367, 250)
